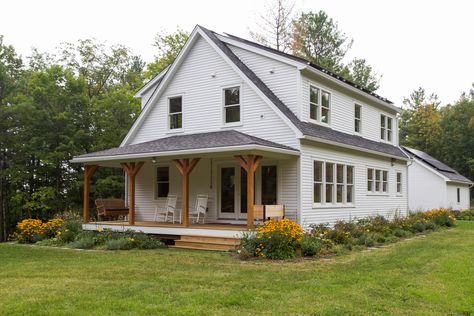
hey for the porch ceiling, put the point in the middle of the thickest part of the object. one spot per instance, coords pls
(214, 144)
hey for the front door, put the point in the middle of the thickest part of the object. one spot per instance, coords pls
(228, 192)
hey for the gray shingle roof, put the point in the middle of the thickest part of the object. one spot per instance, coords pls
(309, 129)
(442, 168)
(228, 138)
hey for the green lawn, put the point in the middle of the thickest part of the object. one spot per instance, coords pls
(423, 276)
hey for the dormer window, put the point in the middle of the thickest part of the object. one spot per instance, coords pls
(385, 128)
(232, 105)
(175, 105)
(319, 105)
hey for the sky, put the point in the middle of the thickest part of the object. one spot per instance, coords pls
(411, 44)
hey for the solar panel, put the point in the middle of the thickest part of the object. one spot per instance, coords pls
(432, 161)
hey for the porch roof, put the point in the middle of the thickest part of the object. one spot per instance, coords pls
(220, 141)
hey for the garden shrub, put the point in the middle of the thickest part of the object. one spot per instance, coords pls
(144, 241)
(418, 227)
(311, 245)
(441, 217)
(124, 243)
(275, 239)
(401, 233)
(86, 242)
(33, 230)
(69, 231)
(464, 215)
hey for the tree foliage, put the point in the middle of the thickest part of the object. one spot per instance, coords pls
(169, 45)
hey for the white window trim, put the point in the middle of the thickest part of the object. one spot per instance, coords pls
(323, 204)
(320, 105)
(360, 119)
(232, 124)
(374, 192)
(155, 180)
(169, 129)
(386, 129)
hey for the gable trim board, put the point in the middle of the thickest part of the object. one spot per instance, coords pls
(235, 63)
(156, 80)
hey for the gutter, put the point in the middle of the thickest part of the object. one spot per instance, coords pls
(330, 142)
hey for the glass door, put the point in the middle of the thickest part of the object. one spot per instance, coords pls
(269, 185)
(227, 192)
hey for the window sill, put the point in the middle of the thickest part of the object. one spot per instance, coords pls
(326, 206)
(319, 122)
(175, 131)
(230, 125)
(378, 194)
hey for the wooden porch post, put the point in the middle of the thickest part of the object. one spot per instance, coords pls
(250, 164)
(185, 167)
(89, 171)
(131, 169)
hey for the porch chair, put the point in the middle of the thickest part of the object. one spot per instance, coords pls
(111, 207)
(267, 212)
(168, 209)
(200, 209)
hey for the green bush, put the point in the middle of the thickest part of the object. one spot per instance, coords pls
(367, 240)
(124, 243)
(248, 245)
(418, 227)
(430, 226)
(69, 231)
(144, 241)
(401, 233)
(311, 245)
(83, 243)
(276, 245)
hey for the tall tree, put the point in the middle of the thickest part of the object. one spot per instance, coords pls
(169, 45)
(11, 70)
(276, 25)
(420, 125)
(317, 38)
(457, 139)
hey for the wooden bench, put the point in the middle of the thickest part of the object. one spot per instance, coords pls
(267, 212)
(111, 207)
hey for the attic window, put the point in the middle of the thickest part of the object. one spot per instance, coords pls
(232, 105)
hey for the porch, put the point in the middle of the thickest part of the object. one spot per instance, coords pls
(234, 178)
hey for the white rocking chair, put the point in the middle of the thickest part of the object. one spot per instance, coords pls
(168, 209)
(200, 210)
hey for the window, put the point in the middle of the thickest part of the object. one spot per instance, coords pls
(357, 118)
(232, 105)
(333, 183)
(319, 105)
(162, 182)
(399, 182)
(175, 112)
(459, 195)
(318, 181)
(377, 180)
(385, 128)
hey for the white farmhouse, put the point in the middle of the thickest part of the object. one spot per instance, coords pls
(251, 128)
(433, 184)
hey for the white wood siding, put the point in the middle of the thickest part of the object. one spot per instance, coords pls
(452, 196)
(342, 112)
(203, 181)
(281, 78)
(202, 101)
(365, 204)
(427, 190)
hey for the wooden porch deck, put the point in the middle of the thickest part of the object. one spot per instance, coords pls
(218, 226)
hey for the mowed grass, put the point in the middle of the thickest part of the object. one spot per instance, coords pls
(422, 276)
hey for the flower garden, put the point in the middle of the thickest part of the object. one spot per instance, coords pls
(274, 239)
(285, 239)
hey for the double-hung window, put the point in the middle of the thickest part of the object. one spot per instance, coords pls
(232, 105)
(399, 183)
(333, 183)
(385, 128)
(162, 182)
(319, 105)
(357, 118)
(377, 180)
(175, 110)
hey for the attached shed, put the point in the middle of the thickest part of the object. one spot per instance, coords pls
(433, 184)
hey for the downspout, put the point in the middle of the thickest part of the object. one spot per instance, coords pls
(409, 163)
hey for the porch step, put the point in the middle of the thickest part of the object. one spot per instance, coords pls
(207, 243)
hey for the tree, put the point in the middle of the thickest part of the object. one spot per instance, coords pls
(169, 46)
(11, 70)
(317, 38)
(276, 25)
(457, 139)
(420, 125)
